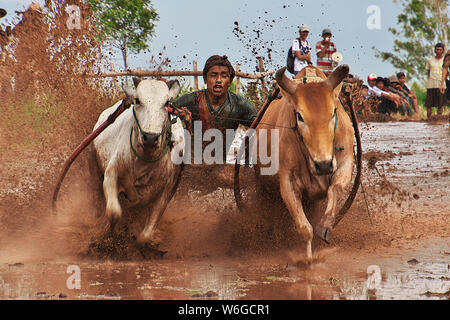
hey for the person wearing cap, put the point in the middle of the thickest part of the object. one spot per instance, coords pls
(411, 95)
(435, 98)
(325, 48)
(388, 101)
(301, 49)
(216, 107)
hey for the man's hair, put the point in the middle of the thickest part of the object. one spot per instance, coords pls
(217, 60)
(364, 87)
(439, 45)
(380, 79)
(401, 74)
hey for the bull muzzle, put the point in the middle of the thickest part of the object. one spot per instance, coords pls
(323, 167)
(150, 139)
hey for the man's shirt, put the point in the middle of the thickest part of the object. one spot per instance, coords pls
(234, 111)
(325, 63)
(376, 91)
(434, 66)
(304, 47)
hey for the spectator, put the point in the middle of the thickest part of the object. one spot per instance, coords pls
(388, 101)
(325, 48)
(411, 95)
(395, 87)
(364, 91)
(445, 82)
(301, 49)
(434, 68)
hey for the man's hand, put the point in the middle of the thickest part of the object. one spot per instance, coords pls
(308, 56)
(187, 119)
(442, 88)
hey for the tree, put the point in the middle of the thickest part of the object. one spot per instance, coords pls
(422, 24)
(126, 24)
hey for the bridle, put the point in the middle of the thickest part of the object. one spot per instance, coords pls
(297, 115)
(166, 131)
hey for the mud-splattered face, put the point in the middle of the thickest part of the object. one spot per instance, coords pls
(218, 80)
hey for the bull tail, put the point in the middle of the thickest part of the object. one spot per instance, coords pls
(112, 117)
(357, 180)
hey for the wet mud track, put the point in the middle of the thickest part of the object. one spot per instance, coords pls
(393, 243)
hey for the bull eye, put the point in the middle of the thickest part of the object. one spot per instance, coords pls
(299, 117)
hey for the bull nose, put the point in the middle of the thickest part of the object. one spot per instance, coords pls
(150, 139)
(323, 167)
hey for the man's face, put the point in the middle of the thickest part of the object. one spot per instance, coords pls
(380, 85)
(372, 82)
(327, 36)
(439, 51)
(304, 34)
(396, 85)
(402, 80)
(218, 80)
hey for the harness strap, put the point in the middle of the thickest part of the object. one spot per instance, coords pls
(168, 145)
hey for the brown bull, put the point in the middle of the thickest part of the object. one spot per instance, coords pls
(315, 147)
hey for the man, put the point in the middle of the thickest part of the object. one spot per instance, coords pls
(444, 81)
(325, 48)
(301, 49)
(215, 106)
(435, 99)
(395, 87)
(411, 95)
(388, 100)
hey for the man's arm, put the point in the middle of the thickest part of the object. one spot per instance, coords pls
(321, 52)
(445, 67)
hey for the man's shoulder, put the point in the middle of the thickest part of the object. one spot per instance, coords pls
(187, 98)
(239, 100)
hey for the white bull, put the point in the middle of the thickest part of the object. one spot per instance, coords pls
(135, 154)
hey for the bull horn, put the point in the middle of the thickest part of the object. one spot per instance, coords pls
(338, 75)
(136, 81)
(284, 82)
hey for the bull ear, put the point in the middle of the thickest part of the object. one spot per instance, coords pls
(337, 75)
(284, 82)
(174, 89)
(136, 81)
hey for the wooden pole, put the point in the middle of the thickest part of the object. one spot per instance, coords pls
(263, 80)
(238, 79)
(195, 77)
(169, 73)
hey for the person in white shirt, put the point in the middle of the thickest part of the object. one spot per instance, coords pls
(301, 49)
(388, 101)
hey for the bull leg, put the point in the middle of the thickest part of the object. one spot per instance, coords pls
(294, 204)
(130, 190)
(111, 191)
(340, 181)
(147, 236)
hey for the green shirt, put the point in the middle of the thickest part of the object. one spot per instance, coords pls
(234, 111)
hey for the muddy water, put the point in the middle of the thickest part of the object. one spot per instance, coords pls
(410, 268)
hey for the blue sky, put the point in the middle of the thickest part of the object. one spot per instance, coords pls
(196, 29)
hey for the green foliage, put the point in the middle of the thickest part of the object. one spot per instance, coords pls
(126, 24)
(420, 26)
